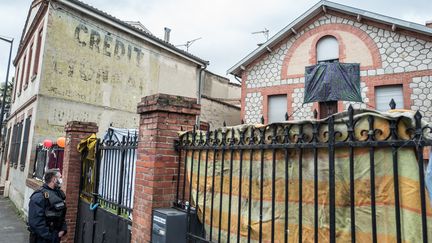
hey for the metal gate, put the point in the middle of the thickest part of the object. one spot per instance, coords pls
(106, 190)
(282, 182)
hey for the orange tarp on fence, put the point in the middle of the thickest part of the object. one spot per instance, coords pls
(409, 186)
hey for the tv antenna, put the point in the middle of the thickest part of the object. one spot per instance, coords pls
(265, 32)
(189, 43)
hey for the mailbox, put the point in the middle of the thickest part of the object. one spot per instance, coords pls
(169, 225)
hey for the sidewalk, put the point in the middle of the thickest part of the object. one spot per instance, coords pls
(12, 228)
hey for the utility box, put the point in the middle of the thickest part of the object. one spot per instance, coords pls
(169, 225)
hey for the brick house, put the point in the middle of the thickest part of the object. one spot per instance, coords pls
(76, 62)
(395, 59)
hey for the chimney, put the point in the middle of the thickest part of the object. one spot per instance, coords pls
(429, 24)
(167, 34)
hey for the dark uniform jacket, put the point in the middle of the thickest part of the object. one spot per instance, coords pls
(46, 218)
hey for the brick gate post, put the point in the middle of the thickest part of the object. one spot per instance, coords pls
(161, 118)
(75, 132)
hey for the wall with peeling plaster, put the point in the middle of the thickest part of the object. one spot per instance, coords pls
(220, 102)
(93, 72)
(216, 113)
(220, 87)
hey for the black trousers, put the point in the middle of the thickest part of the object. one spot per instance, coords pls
(36, 239)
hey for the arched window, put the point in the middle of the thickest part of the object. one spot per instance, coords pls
(327, 49)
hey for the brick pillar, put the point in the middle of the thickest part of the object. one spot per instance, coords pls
(161, 118)
(75, 132)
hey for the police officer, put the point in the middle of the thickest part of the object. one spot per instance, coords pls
(47, 210)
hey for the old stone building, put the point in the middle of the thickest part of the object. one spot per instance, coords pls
(395, 58)
(76, 62)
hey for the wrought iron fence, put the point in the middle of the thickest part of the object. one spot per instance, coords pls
(47, 158)
(106, 188)
(237, 170)
(116, 158)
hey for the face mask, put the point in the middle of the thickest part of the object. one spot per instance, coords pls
(59, 182)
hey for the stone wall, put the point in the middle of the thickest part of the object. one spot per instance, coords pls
(300, 111)
(422, 96)
(253, 107)
(215, 113)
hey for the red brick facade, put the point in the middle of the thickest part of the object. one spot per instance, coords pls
(372, 82)
(161, 118)
(331, 30)
(335, 30)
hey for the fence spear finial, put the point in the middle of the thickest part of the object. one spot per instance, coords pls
(232, 137)
(350, 110)
(418, 117)
(392, 104)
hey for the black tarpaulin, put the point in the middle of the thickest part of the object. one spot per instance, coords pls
(332, 82)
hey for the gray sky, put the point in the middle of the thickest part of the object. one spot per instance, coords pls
(225, 26)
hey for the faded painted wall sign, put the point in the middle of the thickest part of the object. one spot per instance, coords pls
(106, 44)
(94, 64)
(59, 113)
(86, 71)
(92, 71)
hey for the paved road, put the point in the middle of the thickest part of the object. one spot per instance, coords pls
(12, 228)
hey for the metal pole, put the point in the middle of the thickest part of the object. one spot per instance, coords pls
(4, 94)
(6, 84)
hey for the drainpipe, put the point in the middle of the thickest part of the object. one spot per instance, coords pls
(201, 76)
